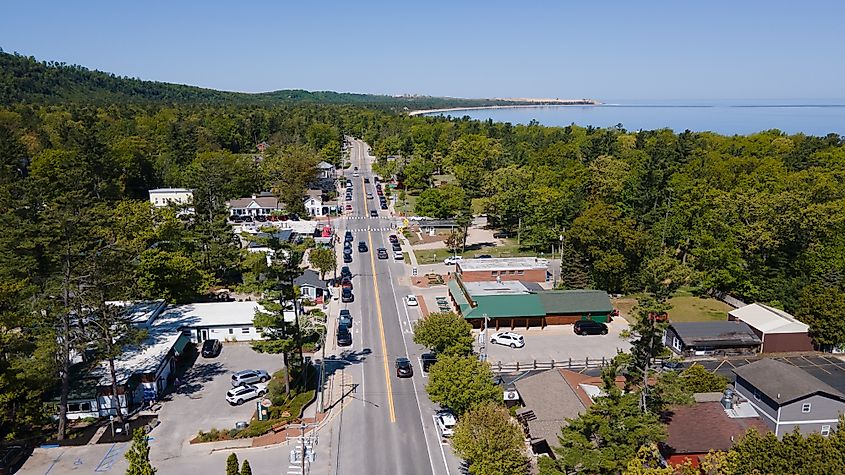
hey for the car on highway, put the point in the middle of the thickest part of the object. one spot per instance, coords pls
(347, 296)
(250, 376)
(511, 339)
(393, 238)
(446, 422)
(348, 207)
(397, 255)
(384, 206)
(589, 327)
(451, 260)
(211, 348)
(369, 196)
(404, 368)
(347, 237)
(238, 395)
(382, 253)
(362, 246)
(396, 246)
(347, 258)
(411, 300)
(345, 318)
(344, 336)
(373, 213)
(427, 360)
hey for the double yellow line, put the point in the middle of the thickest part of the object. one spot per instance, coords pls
(378, 312)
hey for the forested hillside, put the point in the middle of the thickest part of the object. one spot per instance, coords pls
(25, 80)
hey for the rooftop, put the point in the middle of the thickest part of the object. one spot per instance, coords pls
(783, 382)
(687, 434)
(548, 396)
(505, 306)
(502, 263)
(207, 315)
(505, 287)
(310, 277)
(143, 358)
(717, 334)
(172, 190)
(255, 201)
(575, 301)
(142, 312)
(768, 319)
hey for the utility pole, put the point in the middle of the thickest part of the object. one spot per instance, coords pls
(322, 369)
(301, 457)
(483, 343)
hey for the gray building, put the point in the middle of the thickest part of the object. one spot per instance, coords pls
(711, 338)
(787, 397)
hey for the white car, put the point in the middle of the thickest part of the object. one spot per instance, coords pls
(446, 422)
(511, 339)
(237, 396)
(453, 260)
(411, 300)
(397, 255)
(355, 175)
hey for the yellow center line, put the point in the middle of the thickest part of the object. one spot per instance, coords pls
(378, 312)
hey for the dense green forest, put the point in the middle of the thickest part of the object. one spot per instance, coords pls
(761, 216)
(25, 80)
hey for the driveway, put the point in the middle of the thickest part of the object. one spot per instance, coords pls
(200, 402)
(559, 343)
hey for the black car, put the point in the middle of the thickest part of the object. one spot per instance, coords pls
(347, 251)
(374, 213)
(346, 295)
(366, 180)
(211, 348)
(261, 219)
(345, 318)
(344, 336)
(345, 273)
(501, 234)
(393, 238)
(382, 253)
(427, 360)
(589, 327)
(347, 258)
(404, 368)
(484, 256)
(348, 237)
(362, 246)
(384, 206)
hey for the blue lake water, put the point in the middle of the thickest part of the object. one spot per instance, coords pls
(723, 117)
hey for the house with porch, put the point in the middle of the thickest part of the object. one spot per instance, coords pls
(317, 206)
(263, 204)
(326, 171)
(311, 287)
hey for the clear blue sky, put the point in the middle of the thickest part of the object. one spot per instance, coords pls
(602, 50)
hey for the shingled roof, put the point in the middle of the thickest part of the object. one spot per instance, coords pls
(783, 382)
(703, 427)
(717, 334)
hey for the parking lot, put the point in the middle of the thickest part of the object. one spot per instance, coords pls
(200, 402)
(559, 343)
(826, 367)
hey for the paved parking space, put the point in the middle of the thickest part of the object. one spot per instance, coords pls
(559, 343)
(828, 368)
(200, 402)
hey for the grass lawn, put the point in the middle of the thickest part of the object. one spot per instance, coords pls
(509, 249)
(407, 206)
(686, 307)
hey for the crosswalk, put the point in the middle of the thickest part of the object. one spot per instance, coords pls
(387, 218)
(365, 229)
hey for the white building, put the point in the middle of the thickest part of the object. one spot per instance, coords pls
(162, 197)
(263, 204)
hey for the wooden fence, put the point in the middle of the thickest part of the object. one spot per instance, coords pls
(576, 365)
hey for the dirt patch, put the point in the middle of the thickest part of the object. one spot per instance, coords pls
(76, 435)
(625, 307)
(125, 436)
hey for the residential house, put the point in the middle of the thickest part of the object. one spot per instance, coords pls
(311, 287)
(326, 171)
(316, 206)
(695, 430)
(224, 321)
(260, 241)
(711, 338)
(163, 197)
(787, 397)
(263, 204)
(530, 269)
(514, 303)
(778, 330)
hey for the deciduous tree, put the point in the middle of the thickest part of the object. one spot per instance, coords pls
(491, 441)
(444, 333)
(461, 383)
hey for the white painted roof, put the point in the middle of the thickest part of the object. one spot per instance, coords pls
(140, 359)
(505, 287)
(768, 319)
(503, 263)
(213, 314)
(172, 190)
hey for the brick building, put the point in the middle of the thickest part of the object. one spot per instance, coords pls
(529, 269)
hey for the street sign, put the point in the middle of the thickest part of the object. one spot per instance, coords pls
(266, 402)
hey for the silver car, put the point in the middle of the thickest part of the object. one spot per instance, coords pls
(250, 376)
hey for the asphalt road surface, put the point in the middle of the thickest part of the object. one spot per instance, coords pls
(387, 427)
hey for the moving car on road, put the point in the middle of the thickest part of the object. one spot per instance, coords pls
(362, 246)
(397, 255)
(446, 422)
(369, 195)
(211, 348)
(373, 213)
(236, 396)
(452, 260)
(250, 376)
(404, 368)
(511, 339)
(589, 327)
(411, 300)
(382, 253)
(393, 239)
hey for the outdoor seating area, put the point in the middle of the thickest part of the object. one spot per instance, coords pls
(434, 279)
(443, 304)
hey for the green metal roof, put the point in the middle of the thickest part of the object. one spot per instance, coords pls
(507, 306)
(181, 343)
(575, 301)
(457, 293)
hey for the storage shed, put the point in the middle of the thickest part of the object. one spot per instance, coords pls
(779, 331)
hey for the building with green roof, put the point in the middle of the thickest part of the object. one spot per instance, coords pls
(514, 305)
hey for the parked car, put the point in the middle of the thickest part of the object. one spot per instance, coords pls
(451, 260)
(384, 206)
(347, 251)
(511, 339)
(261, 219)
(382, 253)
(346, 296)
(211, 348)
(501, 234)
(484, 256)
(396, 246)
(446, 422)
(411, 300)
(345, 272)
(404, 368)
(348, 207)
(397, 255)
(393, 238)
(362, 246)
(346, 283)
(427, 360)
(236, 396)
(345, 318)
(366, 180)
(671, 365)
(250, 376)
(344, 336)
(373, 213)
(347, 258)
(589, 327)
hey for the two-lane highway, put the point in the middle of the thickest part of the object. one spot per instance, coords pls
(387, 427)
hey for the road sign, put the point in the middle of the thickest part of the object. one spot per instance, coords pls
(266, 402)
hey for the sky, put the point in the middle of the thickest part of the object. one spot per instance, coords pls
(609, 50)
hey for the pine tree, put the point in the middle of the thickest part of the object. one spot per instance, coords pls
(139, 455)
(232, 464)
(245, 469)
(573, 269)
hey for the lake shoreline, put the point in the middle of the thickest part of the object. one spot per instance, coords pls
(563, 103)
